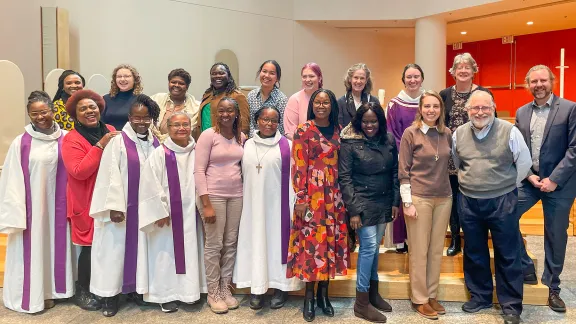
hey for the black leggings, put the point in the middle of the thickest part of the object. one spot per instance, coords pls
(84, 267)
(454, 218)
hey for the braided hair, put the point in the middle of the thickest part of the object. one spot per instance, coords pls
(39, 96)
(61, 79)
(237, 126)
(151, 105)
(230, 87)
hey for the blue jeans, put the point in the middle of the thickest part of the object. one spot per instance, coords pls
(367, 264)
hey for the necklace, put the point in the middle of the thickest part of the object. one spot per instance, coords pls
(144, 151)
(463, 95)
(436, 156)
(259, 166)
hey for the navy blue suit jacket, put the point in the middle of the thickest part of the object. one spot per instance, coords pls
(558, 150)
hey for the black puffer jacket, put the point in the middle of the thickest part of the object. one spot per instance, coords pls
(368, 176)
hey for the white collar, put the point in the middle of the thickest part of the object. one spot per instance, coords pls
(425, 128)
(405, 97)
(132, 134)
(267, 141)
(179, 149)
(44, 137)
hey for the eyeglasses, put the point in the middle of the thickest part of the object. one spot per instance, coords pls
(42, 113)
(475, 109)
(141, 119)
(269, 121)
(178, 126)
(322, 104)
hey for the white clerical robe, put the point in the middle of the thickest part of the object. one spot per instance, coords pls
(111, 193)
(164, 285)
(259, 258)
(43, 164)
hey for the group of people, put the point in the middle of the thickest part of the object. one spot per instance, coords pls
(266, 191)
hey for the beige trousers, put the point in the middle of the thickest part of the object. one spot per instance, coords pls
(221, 237)
(426, 241)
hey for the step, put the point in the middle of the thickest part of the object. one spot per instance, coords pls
(390, 261)
(395, 285)
(533, 226)
(448, 241)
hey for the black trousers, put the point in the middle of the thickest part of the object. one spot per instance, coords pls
(84, 267)
(497, 215)
(454, 219)
(556, 222)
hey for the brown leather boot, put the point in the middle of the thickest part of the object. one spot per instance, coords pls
(425, 310)
(365, 310)
(436, 306)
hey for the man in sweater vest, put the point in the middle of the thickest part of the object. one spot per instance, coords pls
(548, 125)
(491, 157)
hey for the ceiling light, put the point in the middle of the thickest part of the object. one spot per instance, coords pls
(530, 23)
(463, 32)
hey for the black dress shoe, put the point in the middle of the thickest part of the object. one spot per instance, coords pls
(511, 319)
(138, 299)
(530, 279)
(110, 306)
(169, 307)
(322, 299)
(455, 246)
(473, 306)
(86, 300)
(279, 299)
(256, 301)
(556, 303)
(309, 311)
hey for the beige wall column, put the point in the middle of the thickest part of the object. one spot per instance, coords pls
(430, 48)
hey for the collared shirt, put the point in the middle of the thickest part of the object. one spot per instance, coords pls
(517, 146)
(276, 99)
(537, 125)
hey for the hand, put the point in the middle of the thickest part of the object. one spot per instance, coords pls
(411, 212)
(355, 222)
(300, 210)
(163, 222)
(209, 215)
(548, 185)
(106, 138)
(116, 216)
(395, 212)
(535, 181)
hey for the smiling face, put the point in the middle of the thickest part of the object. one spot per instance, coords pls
(540, 84)
(481, 109)
(310, 80)
(464, 72)
(358, 80)
(179, 128)
(413, 79)
(140, 119)
(219, 77)
(321, 106)
(268, 75)
(430, 110)
(87, 113)
(370, 124)
(268, 122)
(41, 115)
(177, 87)
(124, 80)
(72, 83)
(226, 112)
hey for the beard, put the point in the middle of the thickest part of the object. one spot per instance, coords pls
(480, 124)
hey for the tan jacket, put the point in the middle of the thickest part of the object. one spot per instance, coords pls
(214, 100)
(191, 107)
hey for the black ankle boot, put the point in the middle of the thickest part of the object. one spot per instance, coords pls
(256, 301)
(309, 311)
(110, 306)
(455, 245)
(86, 300)
(279, 299)
(322, 299)
(137, 298)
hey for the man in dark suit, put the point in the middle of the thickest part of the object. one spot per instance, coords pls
(548, 125)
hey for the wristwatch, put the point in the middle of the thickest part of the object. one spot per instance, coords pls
(407, 204)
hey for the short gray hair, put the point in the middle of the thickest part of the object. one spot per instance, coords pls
(465, 58)
(179, 113)
(478, 93)
(538, 68)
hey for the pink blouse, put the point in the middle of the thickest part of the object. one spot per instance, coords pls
(296, 112)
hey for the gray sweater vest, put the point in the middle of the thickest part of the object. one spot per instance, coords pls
(487, 168)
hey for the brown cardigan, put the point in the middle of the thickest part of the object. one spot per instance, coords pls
(214, 100)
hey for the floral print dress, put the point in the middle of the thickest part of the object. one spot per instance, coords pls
(61, 116)
(318, 247)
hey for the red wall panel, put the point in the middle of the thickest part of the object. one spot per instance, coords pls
(497, 65)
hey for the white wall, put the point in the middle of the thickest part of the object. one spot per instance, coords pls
(336, 50)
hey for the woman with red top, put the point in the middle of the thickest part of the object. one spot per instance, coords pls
(81, 152)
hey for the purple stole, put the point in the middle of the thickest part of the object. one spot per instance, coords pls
(285, 198)
(131, 246)
(176, 213)
(60, 221)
